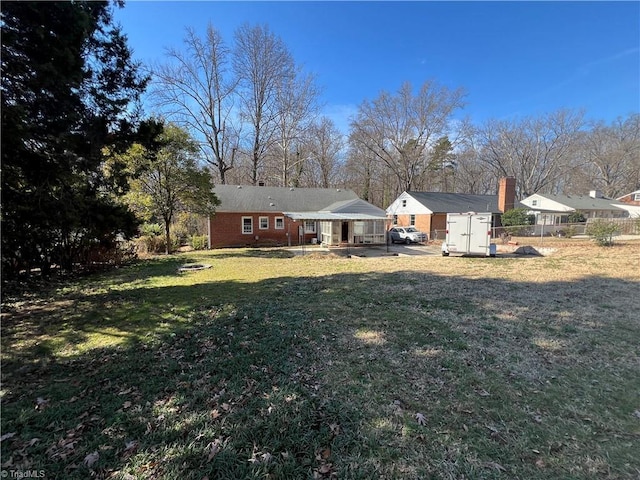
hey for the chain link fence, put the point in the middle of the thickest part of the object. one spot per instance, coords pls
(626, 226)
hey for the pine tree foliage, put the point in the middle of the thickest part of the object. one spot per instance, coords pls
(68, 85)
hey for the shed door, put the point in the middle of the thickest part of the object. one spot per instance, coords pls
(345, 231)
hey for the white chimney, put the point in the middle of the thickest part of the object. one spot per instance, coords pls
(596, 194)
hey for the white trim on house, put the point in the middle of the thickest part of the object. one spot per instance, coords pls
(244, 225)
(554, 209)
(633, 210)
(411, 206)
(539, 203)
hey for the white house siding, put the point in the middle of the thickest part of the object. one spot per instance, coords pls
(412, 207)
(539, 203)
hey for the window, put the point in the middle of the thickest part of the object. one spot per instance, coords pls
(247, 225)
(412, 219)
(309, 226)
(636, 197)
(395, 219)
(279, 223)
(264, 223)
(534, 203)
(404, 203)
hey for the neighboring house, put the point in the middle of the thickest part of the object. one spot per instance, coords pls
(632, 198)
(554, 210)
(631, 203)
(427, 211)
(263, 216)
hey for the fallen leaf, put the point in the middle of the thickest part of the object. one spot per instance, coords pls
(496, 466)
(213, 449)
(421, 419)
(91, 459)
(127, 404)
(324, 469)
(636, 414)
(7, 436)
(130, 448)
(41, 403)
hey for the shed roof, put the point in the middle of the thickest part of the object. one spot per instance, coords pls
(248, 198)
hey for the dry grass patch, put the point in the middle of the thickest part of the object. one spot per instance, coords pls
(268, 365)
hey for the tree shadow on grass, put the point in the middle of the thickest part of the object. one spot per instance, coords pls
(244, 252)
(296, 377)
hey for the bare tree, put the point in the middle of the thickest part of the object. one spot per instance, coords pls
(324, 144)
(263, 63)
(611, 155)
(366, 175)
(536, 151)
(471, 174)
(396, 130)
(195, 89)
(296, 107)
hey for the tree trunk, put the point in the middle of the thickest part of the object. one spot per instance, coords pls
(167, 235)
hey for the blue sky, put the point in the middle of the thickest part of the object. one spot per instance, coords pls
(514, 59)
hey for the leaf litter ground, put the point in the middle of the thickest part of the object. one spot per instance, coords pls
(269, 365)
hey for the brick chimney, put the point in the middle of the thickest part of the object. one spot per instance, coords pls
(506, 193)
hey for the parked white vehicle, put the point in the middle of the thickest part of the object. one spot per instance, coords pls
(407, 235)
(469, 234)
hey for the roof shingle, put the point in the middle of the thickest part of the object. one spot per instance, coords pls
(248, 198)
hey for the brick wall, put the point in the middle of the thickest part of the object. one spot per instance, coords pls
(629, 199)
(226, 231)
(506, 193)
(423, 223)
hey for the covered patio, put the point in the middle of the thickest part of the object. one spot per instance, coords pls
(353, 222)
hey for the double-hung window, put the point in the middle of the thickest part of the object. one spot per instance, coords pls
(279, 223)
(247, 225)
(264, 223)
(309, 226)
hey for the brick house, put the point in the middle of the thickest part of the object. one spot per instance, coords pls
(632, 198)
(631, 203)
(427, 211)
(272, 216)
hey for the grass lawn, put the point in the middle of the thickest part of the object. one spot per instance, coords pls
(269, 365)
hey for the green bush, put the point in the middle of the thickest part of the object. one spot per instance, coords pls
(151, 230)
(570, 231)
(517, 221)
(576, 217)
(199, 242)
(152, 239)
(602, 232)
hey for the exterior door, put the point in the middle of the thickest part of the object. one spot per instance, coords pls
(345, 232)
